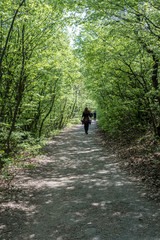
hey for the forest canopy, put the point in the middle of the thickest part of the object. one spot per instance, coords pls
(56, 57)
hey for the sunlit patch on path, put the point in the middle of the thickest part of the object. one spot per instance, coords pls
(79, 193)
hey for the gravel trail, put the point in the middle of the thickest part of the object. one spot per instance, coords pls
(78, 193)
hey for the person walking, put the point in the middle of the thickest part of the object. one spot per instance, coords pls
(86, 115)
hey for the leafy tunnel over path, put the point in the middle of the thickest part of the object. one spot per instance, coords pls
(78, 192)
(56, 57)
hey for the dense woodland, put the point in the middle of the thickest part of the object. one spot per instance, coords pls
(56, 57)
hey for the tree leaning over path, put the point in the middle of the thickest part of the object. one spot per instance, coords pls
(8, 37)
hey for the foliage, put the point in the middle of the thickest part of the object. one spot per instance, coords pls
(39, 75)
(119, 47)
(57, 57)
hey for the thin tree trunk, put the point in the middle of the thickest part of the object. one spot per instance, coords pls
(74, 105)
(49, 111)
(19, 92)
(62, 115)
(8, 36)
(155, 75)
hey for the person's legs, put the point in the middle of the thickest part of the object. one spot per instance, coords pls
(86, 126)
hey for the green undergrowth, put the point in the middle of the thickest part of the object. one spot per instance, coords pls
(25, 151)
(22, 155)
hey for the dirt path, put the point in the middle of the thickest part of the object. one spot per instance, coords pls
(78, 193)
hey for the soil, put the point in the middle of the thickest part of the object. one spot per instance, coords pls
(78, 191)
(139, 155)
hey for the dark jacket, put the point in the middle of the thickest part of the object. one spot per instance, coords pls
(86, 118)
(86, 114)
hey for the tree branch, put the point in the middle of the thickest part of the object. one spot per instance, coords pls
(8, 36)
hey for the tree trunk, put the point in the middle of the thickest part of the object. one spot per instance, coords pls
(62, 114)
(50, 109)
(19, 94)
(7, 39)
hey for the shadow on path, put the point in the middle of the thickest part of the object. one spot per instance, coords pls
(78, 193)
